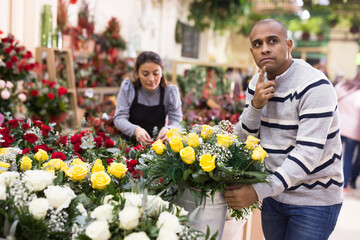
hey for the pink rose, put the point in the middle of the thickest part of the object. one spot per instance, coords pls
(5, 94)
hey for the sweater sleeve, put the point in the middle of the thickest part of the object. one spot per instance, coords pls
(318, 121)
(122, 113)
(174, 111)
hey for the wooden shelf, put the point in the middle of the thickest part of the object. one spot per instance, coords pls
(49, 54)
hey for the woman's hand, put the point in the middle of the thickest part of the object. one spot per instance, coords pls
(162, 134)
(142, 136)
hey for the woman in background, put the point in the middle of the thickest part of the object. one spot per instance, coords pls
(147, 107)
(348, 93)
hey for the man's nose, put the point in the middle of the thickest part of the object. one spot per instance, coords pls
(265, 48)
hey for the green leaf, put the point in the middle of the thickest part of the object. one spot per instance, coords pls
(186, 174)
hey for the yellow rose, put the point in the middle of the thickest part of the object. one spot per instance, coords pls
(259, 154)
(2, 151)
(206, 131)
(98, 166)
(158, 147)
(251, 142)
(77, 161)
(56, 163)
(117, 169)
(41, 155)
(25, 164)
(187, 155)
(100, 180)
(193, 140)
(77, 172)
(48, 167)
(176, 144)
(207, 162)
(224, 140)
(4, 165)
(172, 133)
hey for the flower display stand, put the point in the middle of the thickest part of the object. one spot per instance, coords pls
(49, 55)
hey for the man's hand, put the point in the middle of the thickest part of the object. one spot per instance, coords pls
(142, 136)
(162, 134)
(263, 91)
(240, 196)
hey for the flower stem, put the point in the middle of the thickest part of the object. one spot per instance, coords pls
(249, 165)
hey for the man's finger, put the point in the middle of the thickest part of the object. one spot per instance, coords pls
(262, 73)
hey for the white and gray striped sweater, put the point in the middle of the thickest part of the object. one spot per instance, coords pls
(299, 129)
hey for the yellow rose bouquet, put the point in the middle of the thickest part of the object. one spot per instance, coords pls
(204, 159)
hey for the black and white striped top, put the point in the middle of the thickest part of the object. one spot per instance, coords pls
(299, 129)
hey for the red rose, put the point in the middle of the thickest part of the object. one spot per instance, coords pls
(130, 164)
(77, 148)
(6, 141)
(102, 135)
(76, 139)
(59, 155)
(127, 150)
(28, 54)
(98, 141)
(7, 50)
(26, 150)
(14, 59)
(109, 161)
(109, 143)
(51, 84)
(9, 64)
(45, 130)
(51, 96)
(62, 91)
(34, 93)
(43, 147)
(38, 123)
(27, 67)
(139, 147)
(44, 81)
(62, 140)
(30, 138)
(137, 174)
(13, 123)
(73, 1)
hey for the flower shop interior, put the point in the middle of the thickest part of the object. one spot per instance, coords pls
(65, 172)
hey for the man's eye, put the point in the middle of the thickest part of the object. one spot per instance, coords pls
(257, 44)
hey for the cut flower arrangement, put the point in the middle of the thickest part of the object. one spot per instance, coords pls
(204, 160)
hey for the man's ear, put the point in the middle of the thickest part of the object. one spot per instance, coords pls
(290, 44)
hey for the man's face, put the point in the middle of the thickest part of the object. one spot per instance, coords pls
(271, 48)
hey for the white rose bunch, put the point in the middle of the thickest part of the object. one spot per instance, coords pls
(39, 179)
(59, 197)
(98, 230)
(103, 213)
(132, 199)
(166, 234)
(2, 192)
(137, 236)
(129, 218)
(38, 207)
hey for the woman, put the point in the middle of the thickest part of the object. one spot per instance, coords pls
(147, 102)
(349, 108)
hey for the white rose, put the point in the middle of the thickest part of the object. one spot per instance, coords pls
(169, 221)
(155, 203)
(22, 97)
(10, 177)
(132, 199)
(166, 234)
(38, 207)
(103, 212)
(2, 83)
(5, 94)
(129, 218)
(39, 179)
(2, 192)
(9, 85)
(137, 236)
(98, 230)
(59, 197)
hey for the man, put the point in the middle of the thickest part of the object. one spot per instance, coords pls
(292, 108)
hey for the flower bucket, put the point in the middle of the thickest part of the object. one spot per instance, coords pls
(212, 214)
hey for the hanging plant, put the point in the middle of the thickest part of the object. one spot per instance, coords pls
(219, 15)
(178, 32)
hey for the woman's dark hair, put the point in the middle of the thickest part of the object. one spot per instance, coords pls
(354, 84)
(145, 57)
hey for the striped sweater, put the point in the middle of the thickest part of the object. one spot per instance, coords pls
(299, 129)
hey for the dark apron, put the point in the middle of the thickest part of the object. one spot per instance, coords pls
(148, 117)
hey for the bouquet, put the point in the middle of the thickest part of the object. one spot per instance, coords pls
(135, 216)
(204, 160)
(46, 100)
